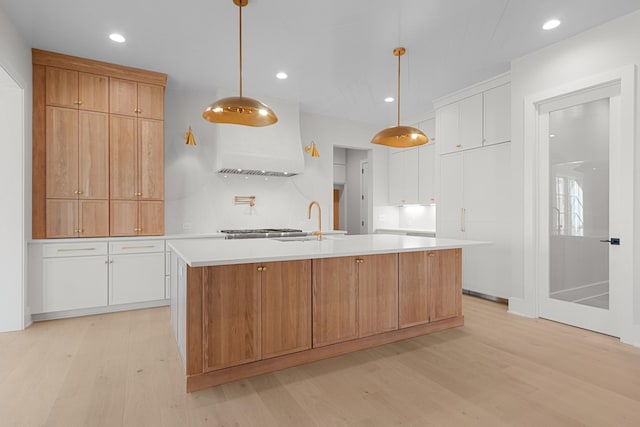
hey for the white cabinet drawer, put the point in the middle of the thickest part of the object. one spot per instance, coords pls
(136, 247)
(74, 249)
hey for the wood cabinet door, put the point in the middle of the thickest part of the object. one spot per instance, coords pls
(286, 307)
(150, 218)
(62, 218)
(93, 218)
(413, 288)
(62, 152)
(93, 92)
(150, 101)
(123, 97)
(123, 218)
(123, 158)
(335, 300)
(93, 147)
(61, 88)
(377, 294)
(445, 274)
(151, 159)
(231, 315)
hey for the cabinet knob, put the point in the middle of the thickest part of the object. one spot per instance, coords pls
(359, 260)
(77, 102)
(264, 268)
(260, 268)
(137, 194)
(137, 229)
(432, 254)
(458, 145)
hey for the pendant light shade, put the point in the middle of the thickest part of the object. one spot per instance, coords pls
(400, 136)
(240, 110)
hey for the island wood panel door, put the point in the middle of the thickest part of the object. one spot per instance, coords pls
(93, 153)
(286, 307)
(335, 299)
(61, 153)
(413, 288)
(123, 158)
(445, 278)
(377, 294)
(231, 315)
(150, 159)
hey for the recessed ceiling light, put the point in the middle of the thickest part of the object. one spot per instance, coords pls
(551, 24)
(282, 75)
(118, 38)
(389, 99)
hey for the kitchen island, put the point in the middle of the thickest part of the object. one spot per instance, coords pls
(241, 308)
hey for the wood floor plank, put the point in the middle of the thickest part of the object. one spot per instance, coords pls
(123, 369)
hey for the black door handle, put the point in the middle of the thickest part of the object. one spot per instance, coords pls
(613, 241)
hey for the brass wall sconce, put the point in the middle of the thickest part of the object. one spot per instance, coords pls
(245, 200)
(188, 136)
(312, 149)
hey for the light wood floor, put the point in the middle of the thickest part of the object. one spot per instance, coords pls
(123, 369)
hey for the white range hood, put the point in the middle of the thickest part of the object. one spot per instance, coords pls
(274, 150)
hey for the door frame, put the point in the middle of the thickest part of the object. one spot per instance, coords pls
(534, 251)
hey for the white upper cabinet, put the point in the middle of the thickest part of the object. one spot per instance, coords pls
(497, 115)
(475, 121)
(470, 123)
(427, 174)
(403, 176)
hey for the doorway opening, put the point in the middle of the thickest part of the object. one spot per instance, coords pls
(352, 190)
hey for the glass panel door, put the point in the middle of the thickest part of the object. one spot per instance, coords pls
(578, 133)
(579, 204)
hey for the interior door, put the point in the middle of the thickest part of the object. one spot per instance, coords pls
(580, 195)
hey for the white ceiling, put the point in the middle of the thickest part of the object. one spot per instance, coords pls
(338, 53)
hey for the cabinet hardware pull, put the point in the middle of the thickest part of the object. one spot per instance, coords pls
(75, 250)
(260, 268)
(432, 254)
(137, 229)
(138, 247)
(264, 268)
(458, 145)
(80, 230)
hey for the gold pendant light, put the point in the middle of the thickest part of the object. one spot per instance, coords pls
(400, 136)
(240, 110)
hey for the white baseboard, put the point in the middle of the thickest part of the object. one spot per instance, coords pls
(520, 307)
(98, 310)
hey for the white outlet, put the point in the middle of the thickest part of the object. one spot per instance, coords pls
(187, 226)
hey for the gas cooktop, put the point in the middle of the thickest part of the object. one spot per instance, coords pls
(257, 233)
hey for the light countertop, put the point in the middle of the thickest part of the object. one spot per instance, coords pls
(207, 252)
(405, 230)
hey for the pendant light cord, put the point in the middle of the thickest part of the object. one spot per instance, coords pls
(240, 26)
(399, 89)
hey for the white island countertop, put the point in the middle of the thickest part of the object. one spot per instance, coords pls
(208, 252)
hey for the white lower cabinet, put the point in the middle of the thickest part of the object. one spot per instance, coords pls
(136, 278)
(71, 278)
(71, 283)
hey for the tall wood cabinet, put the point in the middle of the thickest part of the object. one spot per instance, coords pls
(98, 148)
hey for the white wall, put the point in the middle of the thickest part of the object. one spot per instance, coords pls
(197, 196)
(604, 48)
(15, 191)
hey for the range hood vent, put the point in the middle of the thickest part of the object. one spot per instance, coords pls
(274, 150)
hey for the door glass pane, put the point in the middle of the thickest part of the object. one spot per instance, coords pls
(579, 203)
